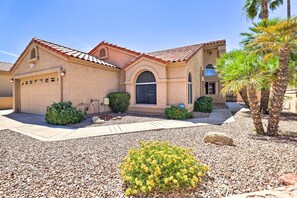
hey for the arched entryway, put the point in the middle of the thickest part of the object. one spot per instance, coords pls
(146, 88)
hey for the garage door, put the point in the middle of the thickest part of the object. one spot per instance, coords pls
(38, 92)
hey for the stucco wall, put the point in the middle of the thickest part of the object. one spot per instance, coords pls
(86, 83)
(291, 101)
(5, 103)
(5, 84)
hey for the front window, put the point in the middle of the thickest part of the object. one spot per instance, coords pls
(210, 70)
(190, 100)
(146, 88)
(210, 88)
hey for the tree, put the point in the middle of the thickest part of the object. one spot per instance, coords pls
(240, 69)
(275, 38)
(253, 8)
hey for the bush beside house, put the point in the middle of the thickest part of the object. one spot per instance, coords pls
(160, 167)
(177, 113)
(119, 101)
(63, 113)
(203, 104)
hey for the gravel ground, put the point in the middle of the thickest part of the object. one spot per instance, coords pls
(129, 118)
(88, 167)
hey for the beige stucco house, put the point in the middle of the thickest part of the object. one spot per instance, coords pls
(47, 72)
(5, 85)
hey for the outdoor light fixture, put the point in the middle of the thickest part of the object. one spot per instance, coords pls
(31, 65)
(63, 73)
(11, 80)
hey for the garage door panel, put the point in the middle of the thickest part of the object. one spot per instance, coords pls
(39, 94)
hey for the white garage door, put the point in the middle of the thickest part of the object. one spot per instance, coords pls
(38, 92)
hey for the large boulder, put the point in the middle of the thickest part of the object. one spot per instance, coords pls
(288, 179)
(218, 138)
(95, 118)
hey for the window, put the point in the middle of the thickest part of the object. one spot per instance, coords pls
(102, 53)
(210, 88)
(210, 70)
(190, 100)
(146, 88)
(52, 79)
(46, 80)
(33, 53)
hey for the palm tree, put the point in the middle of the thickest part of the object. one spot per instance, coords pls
(239, 69)
(288, 9)
(278, 38)
(253, 8)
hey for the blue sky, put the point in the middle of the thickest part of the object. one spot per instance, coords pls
(142, 25)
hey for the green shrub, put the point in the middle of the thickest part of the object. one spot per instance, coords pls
(177, 113)
(160, 167)
(63, 113)
(203, 104)
(119, 101)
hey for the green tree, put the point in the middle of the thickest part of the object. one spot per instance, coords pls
(260, 8)
(240, 69)
(275, 38)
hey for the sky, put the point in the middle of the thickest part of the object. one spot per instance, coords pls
(141, 25)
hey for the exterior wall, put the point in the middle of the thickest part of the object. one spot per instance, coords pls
(195, 65)
(160, 74)
(5, 102)
(291, 101)
(86, 83)
(47, 62)
(5, 84)
(115, 56)
(211, 59)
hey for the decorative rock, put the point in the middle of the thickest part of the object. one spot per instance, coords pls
(288, 179)
(114, 118)
(119, 117)
(95, 118)
(99, 121)
(218, 138)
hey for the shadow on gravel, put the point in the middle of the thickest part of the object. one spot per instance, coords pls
(289, 138)
(285, 116)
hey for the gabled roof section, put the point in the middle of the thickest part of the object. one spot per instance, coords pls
(65, 51)
(182, 53)
(114, 46)
(143, 55)
(5, 67)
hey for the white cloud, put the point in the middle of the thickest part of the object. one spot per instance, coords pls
(8, 53)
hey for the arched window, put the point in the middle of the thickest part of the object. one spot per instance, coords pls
(146, 88)
(102, 53)
(210, 70)
(190, 95)
(33, 53)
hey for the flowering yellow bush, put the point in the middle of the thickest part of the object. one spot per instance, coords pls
(160, 167)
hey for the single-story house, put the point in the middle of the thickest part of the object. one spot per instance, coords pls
(5, 85)
(47, 72)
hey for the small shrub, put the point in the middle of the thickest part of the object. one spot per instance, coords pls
(63, 113)
(177, 113)
(203, 104)
(119, 101)
(160, 167)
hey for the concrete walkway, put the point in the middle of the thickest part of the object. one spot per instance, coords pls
(35, 126)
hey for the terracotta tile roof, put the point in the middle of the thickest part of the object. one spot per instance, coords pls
(69, 52)
(65, 51)
(115, 46)
(5, 67)
(145, 56)
(181, 53)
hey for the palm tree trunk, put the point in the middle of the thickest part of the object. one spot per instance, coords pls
(265, 93)
(288, 9)
(264, 9)
(244, 96)
(278, 93)
(256, 115)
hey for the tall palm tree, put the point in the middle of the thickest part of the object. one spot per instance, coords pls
(288, 9)
(239, 69)
(260, 8)
(277, 39)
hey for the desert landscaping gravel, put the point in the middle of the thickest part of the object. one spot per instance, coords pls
(88, 167)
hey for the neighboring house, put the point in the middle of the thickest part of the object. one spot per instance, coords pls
(5, 85)
(47, 72)
(290, 103)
